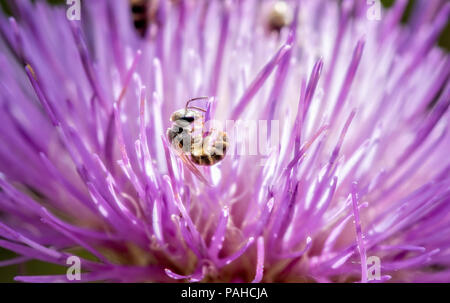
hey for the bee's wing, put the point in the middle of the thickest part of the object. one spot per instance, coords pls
(191, 166)
(187, 162)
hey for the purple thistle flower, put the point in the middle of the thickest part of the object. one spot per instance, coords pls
(361, 168)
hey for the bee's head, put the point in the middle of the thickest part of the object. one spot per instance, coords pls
(185, 116)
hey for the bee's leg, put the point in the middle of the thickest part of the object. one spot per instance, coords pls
(170, 135)
(196, 146)
(173, 132)
(215, 147)
(185, 142)
(180, 139)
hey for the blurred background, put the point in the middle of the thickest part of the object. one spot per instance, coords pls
(36, 267)
(443, 42)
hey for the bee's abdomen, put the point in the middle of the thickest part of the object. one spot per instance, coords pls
(210, 155)
(204, 160)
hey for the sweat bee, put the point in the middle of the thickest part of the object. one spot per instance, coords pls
(187, 136)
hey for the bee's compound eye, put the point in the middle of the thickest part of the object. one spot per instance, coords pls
(184, 117)
(188, 119)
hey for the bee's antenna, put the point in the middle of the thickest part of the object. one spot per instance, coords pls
(195, 99)
(197, 108)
